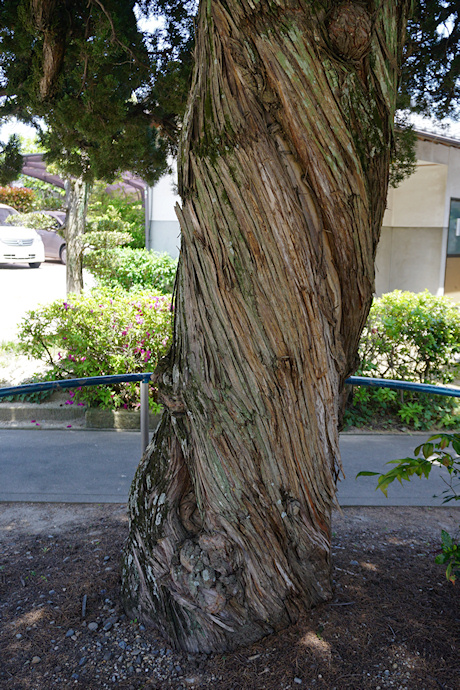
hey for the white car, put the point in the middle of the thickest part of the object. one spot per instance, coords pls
(17, 243)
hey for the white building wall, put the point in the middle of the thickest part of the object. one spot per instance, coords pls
(412, 250)
(162, 231)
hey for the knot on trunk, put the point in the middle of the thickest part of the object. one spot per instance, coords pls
(203, 575)
(350, 29)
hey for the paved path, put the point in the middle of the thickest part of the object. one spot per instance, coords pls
(98, 467)
(24, 288)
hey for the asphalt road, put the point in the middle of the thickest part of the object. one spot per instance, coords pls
(23, 288)
(98, 467)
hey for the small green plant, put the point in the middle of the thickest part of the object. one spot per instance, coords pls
(434, 453)
(411, 412)
(102, 332)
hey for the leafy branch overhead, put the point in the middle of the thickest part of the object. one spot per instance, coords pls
(96, 82)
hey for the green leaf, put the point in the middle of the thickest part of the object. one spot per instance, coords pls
(446, 539)
(428, 449)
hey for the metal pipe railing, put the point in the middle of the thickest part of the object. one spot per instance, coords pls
(403, 385)
(146, 377)
(93, 381)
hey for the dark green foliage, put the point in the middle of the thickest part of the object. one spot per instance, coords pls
(132, 268)
(10, 160)
(89, 73)
(404, 157)
(431, 71)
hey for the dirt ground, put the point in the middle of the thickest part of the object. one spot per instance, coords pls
(394, 621)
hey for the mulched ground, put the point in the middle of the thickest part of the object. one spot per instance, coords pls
(394, 621)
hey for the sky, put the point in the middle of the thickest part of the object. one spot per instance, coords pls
(15, 127)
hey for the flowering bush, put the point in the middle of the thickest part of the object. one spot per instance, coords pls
(106, 331)
(20, 198)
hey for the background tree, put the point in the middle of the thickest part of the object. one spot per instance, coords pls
(10, 160)
(86, 72)
(283, 175)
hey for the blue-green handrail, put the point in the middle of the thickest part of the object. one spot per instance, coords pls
(403, 385)
(63, 384)
(145, 378)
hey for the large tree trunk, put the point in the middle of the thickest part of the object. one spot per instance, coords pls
(77, 192)
(283, 175)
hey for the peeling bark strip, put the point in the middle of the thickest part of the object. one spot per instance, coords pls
(283, 175)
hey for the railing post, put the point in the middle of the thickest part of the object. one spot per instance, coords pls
(145, 412)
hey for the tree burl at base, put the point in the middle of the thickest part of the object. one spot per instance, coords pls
(283, 173)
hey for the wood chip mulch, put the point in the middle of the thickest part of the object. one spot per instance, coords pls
(394, 621)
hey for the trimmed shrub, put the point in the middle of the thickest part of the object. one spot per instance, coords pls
(412, 337)
(132, 268)
(106, 331)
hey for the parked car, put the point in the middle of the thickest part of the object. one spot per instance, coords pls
(52, 236)
(19, 244)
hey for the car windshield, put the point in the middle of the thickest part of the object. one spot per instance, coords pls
(5, 213)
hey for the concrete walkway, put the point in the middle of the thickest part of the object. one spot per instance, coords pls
(80, 466)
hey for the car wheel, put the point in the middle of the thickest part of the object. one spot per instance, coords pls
(35, 264)
(63, 254)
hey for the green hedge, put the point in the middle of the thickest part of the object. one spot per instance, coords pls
(132, 268)
(413, 337)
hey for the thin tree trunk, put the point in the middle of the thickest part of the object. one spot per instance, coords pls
(283, 175)
(78, 191)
